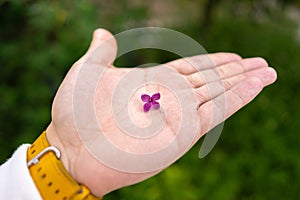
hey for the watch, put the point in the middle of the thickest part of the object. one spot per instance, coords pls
(50, 176)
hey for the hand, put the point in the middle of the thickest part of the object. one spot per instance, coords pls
(240, 80)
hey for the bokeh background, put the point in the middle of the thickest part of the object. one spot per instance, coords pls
(257, 156)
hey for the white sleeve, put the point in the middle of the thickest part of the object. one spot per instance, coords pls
(15, 180)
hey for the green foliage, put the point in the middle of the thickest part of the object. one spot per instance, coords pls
(39, 42)
(257, 154)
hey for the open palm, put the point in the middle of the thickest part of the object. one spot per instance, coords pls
(207, 95)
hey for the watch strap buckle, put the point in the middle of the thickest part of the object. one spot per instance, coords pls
(35, 160)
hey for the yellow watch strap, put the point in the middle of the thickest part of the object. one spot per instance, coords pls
(50, 176)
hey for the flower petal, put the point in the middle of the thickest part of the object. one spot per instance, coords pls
(156, 96)
(147, 107)
(145, 98)
(155, 105)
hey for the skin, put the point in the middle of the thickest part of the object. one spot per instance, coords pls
(243, 80)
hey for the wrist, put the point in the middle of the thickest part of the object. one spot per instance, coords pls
(54, 140)
(74, 158)
(49, 174)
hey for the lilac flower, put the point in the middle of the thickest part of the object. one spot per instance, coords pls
(151, 102)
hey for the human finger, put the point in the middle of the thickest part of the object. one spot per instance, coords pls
(225, 71)
(102, 50)
(216, 88)
(218, 109)
(197, 63)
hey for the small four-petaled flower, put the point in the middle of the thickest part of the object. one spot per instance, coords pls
(151, 102)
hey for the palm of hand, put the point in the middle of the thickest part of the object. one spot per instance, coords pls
(241, 84)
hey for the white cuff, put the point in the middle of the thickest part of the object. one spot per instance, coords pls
(15, 180)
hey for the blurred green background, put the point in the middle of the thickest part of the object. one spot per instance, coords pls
(257, 154)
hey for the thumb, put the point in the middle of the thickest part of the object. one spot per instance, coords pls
(100, 36)
(103, 48)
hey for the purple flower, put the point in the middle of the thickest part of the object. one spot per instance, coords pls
(151, 102)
